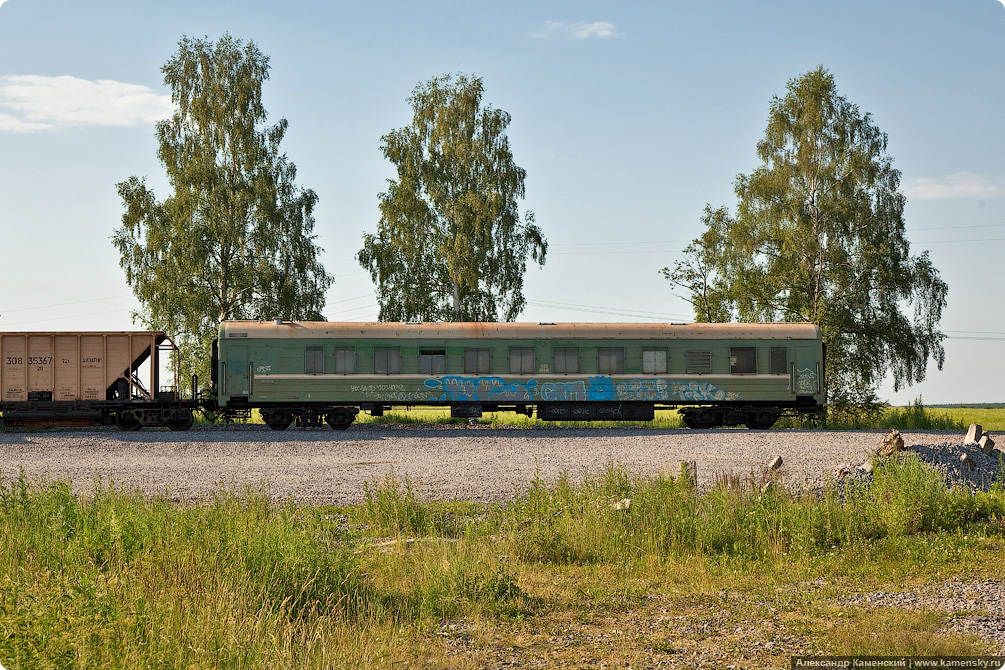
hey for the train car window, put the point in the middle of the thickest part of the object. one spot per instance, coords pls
(521, 361)
(345, 361)
(567, 361)
(314, 360)
(778, 361)
(742, 360)
(432, 362)
(698, 362)
(477, 361)
(654, 361)
(611, 361)
(387, 361)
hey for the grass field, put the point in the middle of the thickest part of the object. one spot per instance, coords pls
(564, 575)
(911, 417)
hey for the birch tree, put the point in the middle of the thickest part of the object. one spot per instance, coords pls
(235, 239)
(450, 244)
(819, 235)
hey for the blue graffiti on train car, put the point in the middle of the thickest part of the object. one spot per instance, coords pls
(486, 389)
(643, 389)
(552, 391)
(596, 388)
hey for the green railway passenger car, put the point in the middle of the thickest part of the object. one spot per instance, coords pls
(714, 374)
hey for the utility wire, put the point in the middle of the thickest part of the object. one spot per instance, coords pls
(62, 304)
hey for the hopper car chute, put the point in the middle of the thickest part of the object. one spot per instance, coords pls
(88, 378)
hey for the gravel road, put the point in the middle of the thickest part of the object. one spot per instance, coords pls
(463, 462)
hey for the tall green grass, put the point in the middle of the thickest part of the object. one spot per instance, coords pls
(736, 519)
(117, 579)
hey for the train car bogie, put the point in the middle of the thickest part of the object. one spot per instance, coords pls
(281, 418)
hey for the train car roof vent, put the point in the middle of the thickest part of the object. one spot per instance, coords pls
(678, 323)
(413, 323)
(546, 323)
(278, 321)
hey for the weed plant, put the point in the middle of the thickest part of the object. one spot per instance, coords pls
(122, 580)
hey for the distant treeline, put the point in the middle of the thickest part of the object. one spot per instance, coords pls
(971, 405)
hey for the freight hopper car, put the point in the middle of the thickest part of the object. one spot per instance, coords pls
(306, 373)
(88, 378)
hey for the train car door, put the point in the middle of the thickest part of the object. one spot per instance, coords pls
(807, 370)
(236, 372)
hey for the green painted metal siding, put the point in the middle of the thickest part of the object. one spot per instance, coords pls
(280, 375)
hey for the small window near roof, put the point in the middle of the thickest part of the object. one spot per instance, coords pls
(654, 361)
(521, 361)
(742, 360)
(779, 361)
(345, 361)
(314, 361)
(567, 360)
(432, 362)
(387, 361)
(611, 361)
(477, 361)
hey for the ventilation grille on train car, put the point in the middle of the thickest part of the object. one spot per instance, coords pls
(698, 362)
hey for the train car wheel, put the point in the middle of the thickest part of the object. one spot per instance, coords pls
(277, 420)
(127, 421)
(704, 419)
(761, 420)
(183, 423)
(340, 419)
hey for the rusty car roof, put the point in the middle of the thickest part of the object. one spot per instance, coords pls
(510, 330)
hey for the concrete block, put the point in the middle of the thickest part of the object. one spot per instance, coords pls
(987, 444)
(775, 464)
(974, 434)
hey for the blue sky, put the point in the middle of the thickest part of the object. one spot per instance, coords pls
(628, 120)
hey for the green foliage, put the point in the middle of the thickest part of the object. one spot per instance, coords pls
(235, 240)
(121, 580)
(917, 417)
(668, 516)
(393, 507)
(450, 245)
(819, 236)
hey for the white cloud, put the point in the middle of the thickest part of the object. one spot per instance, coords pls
(580, 30)
(957, 185)
(35, 102)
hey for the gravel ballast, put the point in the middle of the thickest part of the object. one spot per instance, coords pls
(443, 462)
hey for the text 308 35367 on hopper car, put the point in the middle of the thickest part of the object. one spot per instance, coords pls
(312, 373)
